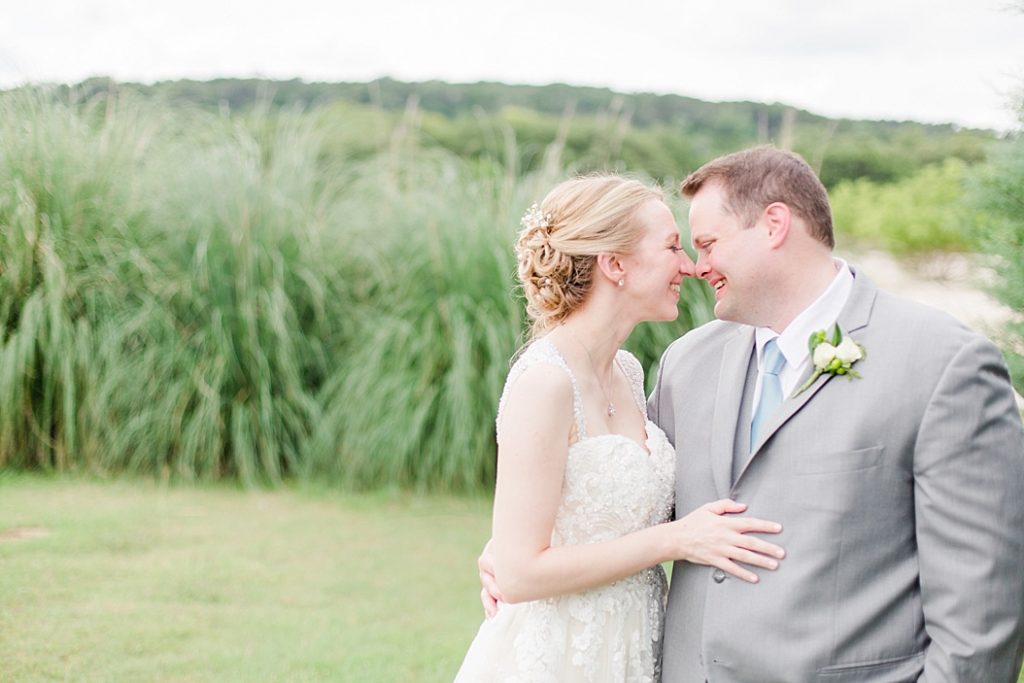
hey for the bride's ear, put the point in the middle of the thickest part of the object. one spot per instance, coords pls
(611, 267)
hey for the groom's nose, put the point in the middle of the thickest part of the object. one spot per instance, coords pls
(701, 267)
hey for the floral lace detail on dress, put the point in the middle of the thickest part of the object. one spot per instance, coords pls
(612, 486)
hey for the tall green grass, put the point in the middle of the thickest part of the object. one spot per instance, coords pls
(412, 402)
(65, 211)
(201, 296)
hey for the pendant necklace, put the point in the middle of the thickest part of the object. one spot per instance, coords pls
(610, 410)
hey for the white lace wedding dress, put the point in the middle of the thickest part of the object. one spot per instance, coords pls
(612, 486)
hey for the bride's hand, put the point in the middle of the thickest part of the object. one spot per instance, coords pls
(714, 534)
(489, 594)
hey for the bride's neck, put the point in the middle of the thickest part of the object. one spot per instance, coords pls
(601, 335)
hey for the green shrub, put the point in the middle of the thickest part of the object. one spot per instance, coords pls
(917, 214)
(996, 192)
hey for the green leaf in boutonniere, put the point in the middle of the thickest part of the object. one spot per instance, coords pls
(835, 357)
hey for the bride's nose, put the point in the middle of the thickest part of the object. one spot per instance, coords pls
(686, 265)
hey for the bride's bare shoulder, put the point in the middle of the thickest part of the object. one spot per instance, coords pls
(540, 387)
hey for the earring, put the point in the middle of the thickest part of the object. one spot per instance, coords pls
(621, 282)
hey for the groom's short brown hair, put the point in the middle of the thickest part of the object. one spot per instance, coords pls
(756, 177)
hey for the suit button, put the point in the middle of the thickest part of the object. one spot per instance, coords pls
(718, 576)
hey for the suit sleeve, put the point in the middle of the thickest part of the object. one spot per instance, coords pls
(660, 408)
(969, 505)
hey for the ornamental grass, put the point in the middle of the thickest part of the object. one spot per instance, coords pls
(251, 296)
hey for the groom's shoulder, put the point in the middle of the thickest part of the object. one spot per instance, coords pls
(904, 318)
(914, 321)
(910, 329)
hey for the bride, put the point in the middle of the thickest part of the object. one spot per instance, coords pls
(585, 482)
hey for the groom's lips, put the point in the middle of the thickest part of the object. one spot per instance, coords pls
(717, 285)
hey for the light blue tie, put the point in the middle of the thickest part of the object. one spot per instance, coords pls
(771, 389)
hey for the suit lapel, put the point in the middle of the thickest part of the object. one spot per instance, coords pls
(732, 375)
(856, 314)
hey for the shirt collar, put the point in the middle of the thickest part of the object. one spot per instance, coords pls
(820, 315)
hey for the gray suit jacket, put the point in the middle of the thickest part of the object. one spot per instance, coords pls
(901, 494)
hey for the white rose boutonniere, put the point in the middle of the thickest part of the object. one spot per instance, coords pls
(833, 357)
(849, 352)
(824, 354)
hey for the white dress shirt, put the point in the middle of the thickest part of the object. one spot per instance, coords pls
(820, 315)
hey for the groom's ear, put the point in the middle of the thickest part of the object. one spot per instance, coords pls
(611, 267)
(778, 219)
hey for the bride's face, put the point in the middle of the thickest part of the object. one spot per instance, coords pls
(655, 270)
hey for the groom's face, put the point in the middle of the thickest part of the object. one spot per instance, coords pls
(730, 256)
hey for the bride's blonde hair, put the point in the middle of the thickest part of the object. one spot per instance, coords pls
(561, 238)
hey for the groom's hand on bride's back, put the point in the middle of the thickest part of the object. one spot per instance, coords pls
(489, 594)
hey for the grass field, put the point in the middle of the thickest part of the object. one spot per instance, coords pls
(131, 581)
(134, 582)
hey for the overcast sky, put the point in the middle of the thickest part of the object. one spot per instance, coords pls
(927, 60)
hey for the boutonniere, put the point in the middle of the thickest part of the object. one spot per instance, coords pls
(835, 357)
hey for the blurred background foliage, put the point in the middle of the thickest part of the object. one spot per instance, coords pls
(263, 281)
(663, 136)
(996, 195)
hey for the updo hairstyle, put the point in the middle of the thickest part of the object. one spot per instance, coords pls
(558, 246)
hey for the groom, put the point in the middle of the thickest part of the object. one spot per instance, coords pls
(899, 482)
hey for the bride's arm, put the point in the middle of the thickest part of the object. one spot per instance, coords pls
(536, 422)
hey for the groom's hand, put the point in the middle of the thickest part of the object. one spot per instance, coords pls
(489, 594)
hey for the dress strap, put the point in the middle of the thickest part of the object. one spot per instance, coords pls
(543, 351)
(635, 374)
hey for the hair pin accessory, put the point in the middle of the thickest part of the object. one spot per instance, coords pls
(535, 218)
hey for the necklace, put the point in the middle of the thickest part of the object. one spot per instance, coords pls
(610, 410)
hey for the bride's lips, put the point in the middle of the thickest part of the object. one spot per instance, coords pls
(675, 288)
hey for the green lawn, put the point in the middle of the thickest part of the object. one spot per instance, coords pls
(131, 581)
(136, 582)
